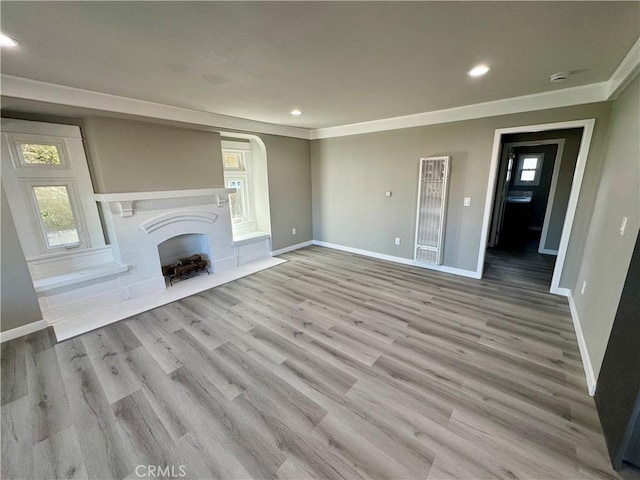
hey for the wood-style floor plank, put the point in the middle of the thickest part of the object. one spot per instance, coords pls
(330, 365)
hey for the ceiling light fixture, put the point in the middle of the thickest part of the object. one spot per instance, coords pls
(478, 70)
(559, 77)
(296, 111)
(6, 41)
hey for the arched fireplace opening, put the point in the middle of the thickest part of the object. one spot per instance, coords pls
(184, 256)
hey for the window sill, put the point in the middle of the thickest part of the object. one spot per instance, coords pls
(249, 237)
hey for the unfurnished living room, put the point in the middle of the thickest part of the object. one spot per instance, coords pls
(314, 240)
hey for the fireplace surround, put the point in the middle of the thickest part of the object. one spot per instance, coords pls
(138, 223)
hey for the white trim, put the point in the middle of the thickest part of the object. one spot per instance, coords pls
(26, 88)
(452, 270)
(133, 196)
(40, 129)
(563, 291)
(291, 248)
(401, 260)
(178, 216)
(576, 184)
(366, 253)
(542, 247)
(582, 346)
(625, 73)
(87, 321)
(23, 330)
(591, 93)
(587, 126)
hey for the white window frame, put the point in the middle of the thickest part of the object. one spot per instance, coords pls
(247, 223)
(19, 178)
(74, 202)
(538, 170)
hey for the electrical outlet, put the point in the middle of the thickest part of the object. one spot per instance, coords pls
(397, 240)
(293, 231)
(467, 201)
(623, 225)
(584, 287)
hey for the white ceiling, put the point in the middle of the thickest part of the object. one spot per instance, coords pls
(340, 62)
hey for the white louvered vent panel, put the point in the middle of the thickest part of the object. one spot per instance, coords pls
(432, 203)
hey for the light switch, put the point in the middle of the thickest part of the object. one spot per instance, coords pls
(623, 225)
(387, 193)
(467, 201)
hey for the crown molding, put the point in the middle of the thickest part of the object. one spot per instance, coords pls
(28, 89)
(625, 73)
(594, 92)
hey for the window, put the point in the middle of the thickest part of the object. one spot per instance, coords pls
(237, 174)
(48, 187)
(59, 223)
(40, 154)
(529, 169)
(244, 161)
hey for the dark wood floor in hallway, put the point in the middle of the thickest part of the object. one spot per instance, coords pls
(328, 366)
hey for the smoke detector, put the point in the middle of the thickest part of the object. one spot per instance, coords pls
(559, 77)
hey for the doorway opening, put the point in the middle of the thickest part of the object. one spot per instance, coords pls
(535, 179)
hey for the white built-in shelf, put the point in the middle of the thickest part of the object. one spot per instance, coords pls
(250, 237)
(79, 276)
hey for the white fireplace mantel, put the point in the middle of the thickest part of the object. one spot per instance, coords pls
(126, 199)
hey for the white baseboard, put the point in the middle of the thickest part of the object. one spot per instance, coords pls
(401, 260)
(291, 248)
(562, 291)
(23, 330)
(452, 270)
(546, 251)
(582, 345)
(366, 253)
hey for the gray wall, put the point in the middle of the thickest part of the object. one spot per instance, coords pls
(350, 176)
(607, 254)
(19, 305)
(132, 156)
(289, 171)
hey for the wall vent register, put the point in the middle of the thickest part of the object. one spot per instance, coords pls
(432, 207)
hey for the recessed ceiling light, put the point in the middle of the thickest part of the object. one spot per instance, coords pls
(296, 111)
(559, 77)
(478, 70)
(7, 41)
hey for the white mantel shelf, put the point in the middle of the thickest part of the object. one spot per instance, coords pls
(133, 196)
(125, 200)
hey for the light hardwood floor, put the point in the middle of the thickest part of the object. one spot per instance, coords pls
(328, 366)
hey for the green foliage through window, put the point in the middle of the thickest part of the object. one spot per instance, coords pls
(34, 153)
(57, 215)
